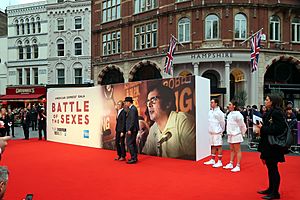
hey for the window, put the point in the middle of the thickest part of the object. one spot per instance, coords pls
(78, 76)
(61, 76)
(212, 27)
(21, 50)
(22, 27)
(35, 51)
(20, 76)
(60, 1)
(60, 24)
(111, 43)
(39, 25)
(78, 46)
(17, 27)
(33, 25)
(35, 76)
(78, 23)
(60, 47)
(144, 5)
(274, 28)
(184, 30)
(296, 30)
(28, 51)
(145, 36)
(27, 76)
(28, 26)
(240, 26)
(111, 10)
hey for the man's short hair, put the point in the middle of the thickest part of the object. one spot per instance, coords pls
(3, 174)
(166, 96)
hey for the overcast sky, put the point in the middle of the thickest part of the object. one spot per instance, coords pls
(5, 3)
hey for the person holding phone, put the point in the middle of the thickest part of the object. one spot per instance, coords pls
(273, 124)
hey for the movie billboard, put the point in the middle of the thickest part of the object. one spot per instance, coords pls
(166, 109)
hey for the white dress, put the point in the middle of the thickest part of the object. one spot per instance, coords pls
(236, 127)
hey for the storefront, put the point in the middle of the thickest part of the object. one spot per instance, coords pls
(20, 96)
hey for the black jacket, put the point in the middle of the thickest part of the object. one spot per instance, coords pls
(132, 120)
(121, 122)
(273, 124)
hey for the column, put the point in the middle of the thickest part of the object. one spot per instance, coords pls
(227, 82)
(196, 68)
(254, 88)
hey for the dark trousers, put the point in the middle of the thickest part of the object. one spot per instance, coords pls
(274, 176)
(120, 145)
(26, 131)
(2, 132)
(12, 127)
(34, 124)
(43, 128)
(131, 144)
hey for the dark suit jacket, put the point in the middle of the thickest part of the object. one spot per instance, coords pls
(273, 124)
(132, 120)
(121, 122)
(27, 116)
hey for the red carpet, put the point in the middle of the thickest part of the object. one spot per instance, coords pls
(58, 171)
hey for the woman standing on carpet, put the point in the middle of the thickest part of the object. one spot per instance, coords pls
(235, 129)
(273, 124)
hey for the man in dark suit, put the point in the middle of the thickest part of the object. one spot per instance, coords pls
(25, 120)
(120, 131)
(132, 127)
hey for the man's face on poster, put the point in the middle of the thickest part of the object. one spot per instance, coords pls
(154, 105)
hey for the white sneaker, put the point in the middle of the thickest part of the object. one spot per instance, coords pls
(210, 162)
(236, 169)
(228, 166)
(218, 164)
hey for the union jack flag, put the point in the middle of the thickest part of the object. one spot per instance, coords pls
(255, 47)
(169, 58)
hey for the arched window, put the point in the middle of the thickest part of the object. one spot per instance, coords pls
(17, 27)
(35, 49)
(22, 27)
(39, 25)
(60, 47)
(296, 30)
(33, 25)
(274, 28)
(212, 27)
(27, 26)
(28, 50)
(21, 51)
(240, 26)
(184, 30)
(78, 46)
(77, 73)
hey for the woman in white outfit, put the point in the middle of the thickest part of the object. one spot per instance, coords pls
(236, 129)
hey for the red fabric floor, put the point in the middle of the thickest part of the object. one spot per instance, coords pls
(59, 171)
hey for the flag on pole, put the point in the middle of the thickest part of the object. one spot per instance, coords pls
(169, 58)
(255, 47)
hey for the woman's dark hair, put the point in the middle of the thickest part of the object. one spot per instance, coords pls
(216, 100)
(276, 100)
(236, 104)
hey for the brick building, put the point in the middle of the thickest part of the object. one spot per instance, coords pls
(3, 23)
(130, 40)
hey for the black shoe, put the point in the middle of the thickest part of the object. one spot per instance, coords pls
(272, 196)
(267, 191)
(131, 161)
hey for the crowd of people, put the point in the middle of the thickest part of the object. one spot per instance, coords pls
(33, 116)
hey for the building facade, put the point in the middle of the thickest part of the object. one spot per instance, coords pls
(3, 23)
(3, 63)
(69, 46)
(27, 44)
(131, 39)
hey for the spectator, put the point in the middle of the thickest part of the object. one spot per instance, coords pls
(42, 119)
(25, 120)
(3, 180)
(34, 117)
(11, 122)
(3, 123)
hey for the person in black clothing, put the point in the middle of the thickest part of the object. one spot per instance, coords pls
(132, 127)
(11, 122)
(25, 120)
(42, 119)
(3, 122)
(273, 124)
(120, 131)
(34, 118)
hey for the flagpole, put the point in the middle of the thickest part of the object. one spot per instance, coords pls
(177, 40)
(252, 36)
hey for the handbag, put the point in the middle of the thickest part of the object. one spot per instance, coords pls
(283, 140)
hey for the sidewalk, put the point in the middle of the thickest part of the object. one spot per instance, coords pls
(19, 134)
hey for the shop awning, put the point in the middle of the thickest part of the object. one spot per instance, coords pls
(21, 97)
